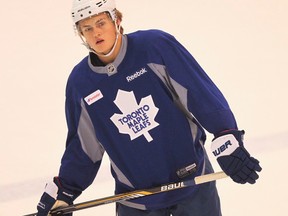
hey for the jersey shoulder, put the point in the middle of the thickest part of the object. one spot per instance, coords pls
(150, 33)
(78, 75)
(150, 37)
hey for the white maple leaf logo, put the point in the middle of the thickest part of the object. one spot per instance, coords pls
(136, 119)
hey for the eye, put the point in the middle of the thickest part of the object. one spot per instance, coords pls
(87, 29)
(100, 23)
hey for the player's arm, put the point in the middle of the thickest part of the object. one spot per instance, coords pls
(206, 102)
(78, 166)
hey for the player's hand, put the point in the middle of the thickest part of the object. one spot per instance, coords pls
(54, 197)
(59, 204)
(233, 158)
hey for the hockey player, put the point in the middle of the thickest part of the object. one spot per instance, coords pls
(144, 100)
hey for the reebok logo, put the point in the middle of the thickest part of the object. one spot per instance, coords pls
(222, 148)
(136, 75)
(67, 194)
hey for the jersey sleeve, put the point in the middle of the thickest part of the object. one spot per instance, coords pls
(83, 154)
(204, 100)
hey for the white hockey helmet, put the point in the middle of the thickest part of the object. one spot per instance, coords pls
(82, 9)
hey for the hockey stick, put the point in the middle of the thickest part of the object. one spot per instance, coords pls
(137, 194)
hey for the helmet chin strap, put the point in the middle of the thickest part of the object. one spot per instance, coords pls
(113, 48)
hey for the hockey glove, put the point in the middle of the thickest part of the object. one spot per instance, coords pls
(233, 158)
(54, 196)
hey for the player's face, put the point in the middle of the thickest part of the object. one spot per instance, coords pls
(99, 32)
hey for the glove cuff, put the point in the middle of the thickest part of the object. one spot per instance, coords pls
(47, 199)
(65, 194)
(226, 142)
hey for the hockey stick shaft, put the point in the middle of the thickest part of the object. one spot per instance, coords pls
(137, 194)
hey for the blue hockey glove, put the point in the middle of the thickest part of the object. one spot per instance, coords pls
(233, 158)
(54, 196)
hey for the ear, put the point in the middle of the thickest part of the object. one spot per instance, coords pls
(118, 22)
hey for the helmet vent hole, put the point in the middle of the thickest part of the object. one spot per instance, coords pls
(99, 4)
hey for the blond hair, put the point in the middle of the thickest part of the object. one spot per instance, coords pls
(119, 16)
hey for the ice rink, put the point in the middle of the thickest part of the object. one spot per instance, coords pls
(242, 45)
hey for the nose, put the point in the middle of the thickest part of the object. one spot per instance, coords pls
(97, 32)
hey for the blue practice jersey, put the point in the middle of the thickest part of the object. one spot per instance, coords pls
(147, 111)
